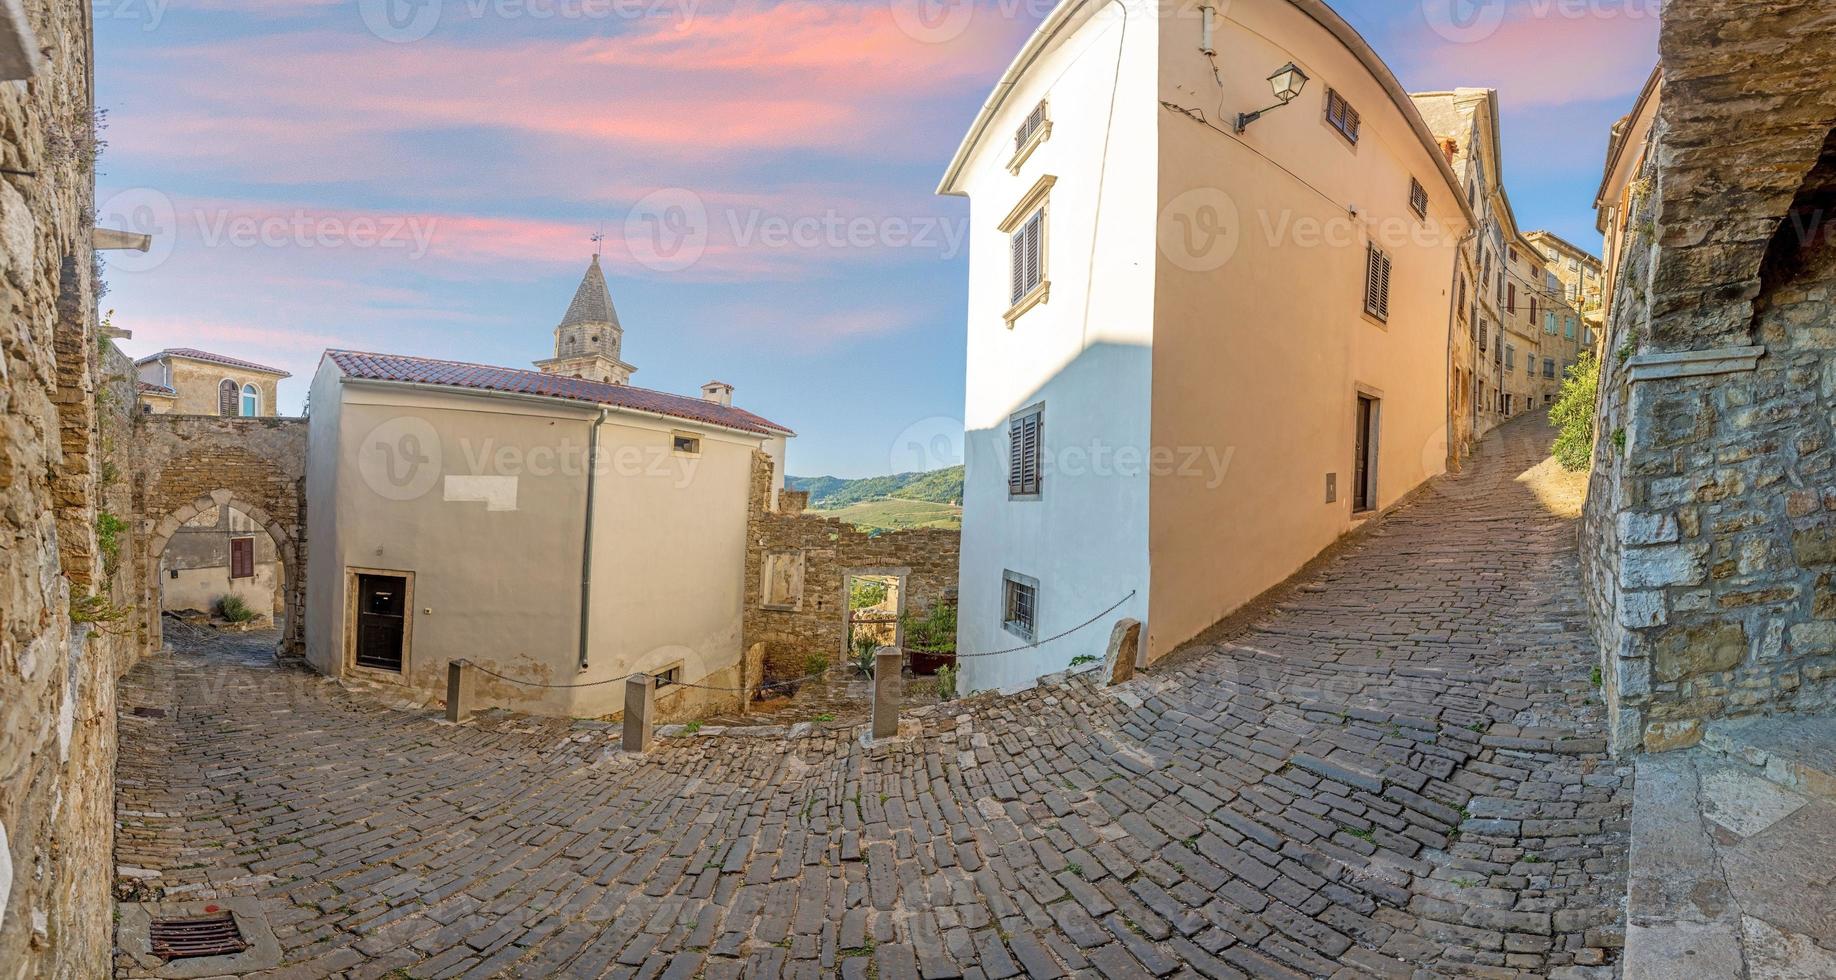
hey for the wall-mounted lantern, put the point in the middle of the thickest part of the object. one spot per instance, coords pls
(1287, 82)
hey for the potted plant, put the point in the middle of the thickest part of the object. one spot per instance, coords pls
(930, 641)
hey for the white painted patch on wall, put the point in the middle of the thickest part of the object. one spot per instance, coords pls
(6, 874)
(496, 492)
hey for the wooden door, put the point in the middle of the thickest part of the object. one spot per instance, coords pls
(1362, 470)
(381, 609)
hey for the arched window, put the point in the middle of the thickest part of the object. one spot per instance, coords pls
(226, 397)
(251, 401)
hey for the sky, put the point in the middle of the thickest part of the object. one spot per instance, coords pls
(428, 177)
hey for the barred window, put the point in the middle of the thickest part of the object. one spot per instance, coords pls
(1019, 604)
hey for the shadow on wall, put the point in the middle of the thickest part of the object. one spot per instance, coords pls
(1067, 539)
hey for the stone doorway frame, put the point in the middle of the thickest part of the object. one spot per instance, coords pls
(848, 575)
(293, 590)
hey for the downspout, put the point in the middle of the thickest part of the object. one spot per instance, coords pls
(586, 544)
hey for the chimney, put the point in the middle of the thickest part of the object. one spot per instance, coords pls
(718, 392)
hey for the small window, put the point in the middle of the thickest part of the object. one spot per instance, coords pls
(146, 409)
(685, 445)
(1510, 357)
(1418, 197)
(1035, 121)
(668, 676)
(1511, 298)
(227, 395)
(1019, 604)
(1025, 433)
(1376, 282)
(1341, 116)
(1462, 303)
(242, 558)
(1548, 367)
(251, 401)
(1532, 309)
(1027, 254)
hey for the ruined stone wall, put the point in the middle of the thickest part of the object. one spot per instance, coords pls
(811, 627)
(62, 635)
(1710, 532)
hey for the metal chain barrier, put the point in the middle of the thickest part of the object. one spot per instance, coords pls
(514, 680)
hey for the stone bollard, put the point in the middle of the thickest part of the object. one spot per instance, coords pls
(888, 687)
(640, 705)
(1124, 646)
(461, 685)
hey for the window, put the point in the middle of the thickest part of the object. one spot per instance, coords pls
(1019, 604)
(1568, 327)
(1533, 309)
(684, 444)
(227, 395)
(1376, 282)
(1510, 357)
(1511, 253)
(242, 558)
(668, 676)
(1482, 335)
(146, 409)
(1024, 435)
(1035, 121)
(1462, 303)
(1418, 197)
(1511, 301)
(1548, 367)
(1341, 116)
(1026, 248)
(251, 401)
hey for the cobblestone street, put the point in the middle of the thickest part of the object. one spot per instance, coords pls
(1396, 767)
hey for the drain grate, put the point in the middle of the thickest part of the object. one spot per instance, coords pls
(212, 935)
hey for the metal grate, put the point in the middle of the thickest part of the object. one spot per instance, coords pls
(212, 935)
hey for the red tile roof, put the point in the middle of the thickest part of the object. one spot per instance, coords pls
(203, 355)
(485, 377)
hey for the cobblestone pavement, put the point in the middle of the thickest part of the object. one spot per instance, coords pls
(1397, 769)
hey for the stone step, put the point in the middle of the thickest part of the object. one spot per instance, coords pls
(1796, 752)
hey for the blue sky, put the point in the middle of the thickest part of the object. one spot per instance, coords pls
(424, 176)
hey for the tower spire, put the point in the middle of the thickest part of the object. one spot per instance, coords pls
(588, 340)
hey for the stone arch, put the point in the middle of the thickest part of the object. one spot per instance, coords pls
(189, 464)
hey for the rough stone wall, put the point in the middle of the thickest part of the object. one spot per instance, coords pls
(830, 550)
(1710, 531)
(187, 465)
(57, 676)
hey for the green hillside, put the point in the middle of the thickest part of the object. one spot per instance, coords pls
(943, 486)
(897, 514)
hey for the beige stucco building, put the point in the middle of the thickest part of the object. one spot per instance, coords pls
(188, 381)
(550, 529)
(1198, 352)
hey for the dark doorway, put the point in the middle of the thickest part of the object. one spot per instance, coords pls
(1364, 467)
(381, 604)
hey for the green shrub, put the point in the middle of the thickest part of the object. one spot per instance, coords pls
(935, 633)
(865, 593)
(108, 538)
(232, 608)
(946, 683)
(1573, 415)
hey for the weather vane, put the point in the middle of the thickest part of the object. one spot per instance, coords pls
(599, 240)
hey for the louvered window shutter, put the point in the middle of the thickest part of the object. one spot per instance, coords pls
(1023, 454)
(1017, 245)
(1015, 440)
(1034, 227)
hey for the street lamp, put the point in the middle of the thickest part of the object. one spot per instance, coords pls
(1287, 82)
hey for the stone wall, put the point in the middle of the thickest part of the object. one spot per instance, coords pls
(188, 465)
(1710, 531)
(794, 633)
(64, 635)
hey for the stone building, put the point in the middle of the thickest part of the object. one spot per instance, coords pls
(68, 554)
(1171, 408)
(1710, 527)
(551, 529)
(1578, 270)
(188, 381)
(589, 339)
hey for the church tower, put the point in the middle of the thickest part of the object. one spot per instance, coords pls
(588, 339)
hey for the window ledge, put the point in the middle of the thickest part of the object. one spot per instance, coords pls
(1017, 631)
(1037, 297)
(1040, 135)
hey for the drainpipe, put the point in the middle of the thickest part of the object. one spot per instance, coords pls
(586, 544)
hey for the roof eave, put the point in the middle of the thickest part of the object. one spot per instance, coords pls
(588, 407)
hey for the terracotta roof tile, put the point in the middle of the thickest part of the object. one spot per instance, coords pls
(485, 377)
(194, 354)
(150, 388)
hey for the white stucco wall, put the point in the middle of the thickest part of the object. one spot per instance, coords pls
(1084, 354)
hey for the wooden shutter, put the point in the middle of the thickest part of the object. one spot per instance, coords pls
(1026, 254)
(1376, 283)
(1418, 197)
(1023, 441)
(1511, 303)
(242, 557)
(1016, 244)
(229, 396)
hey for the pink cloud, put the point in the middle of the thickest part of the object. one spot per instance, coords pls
(1543, 53)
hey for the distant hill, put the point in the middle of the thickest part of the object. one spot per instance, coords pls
(943, 486)
(898, 514)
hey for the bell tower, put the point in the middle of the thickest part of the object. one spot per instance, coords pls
(588, 340)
